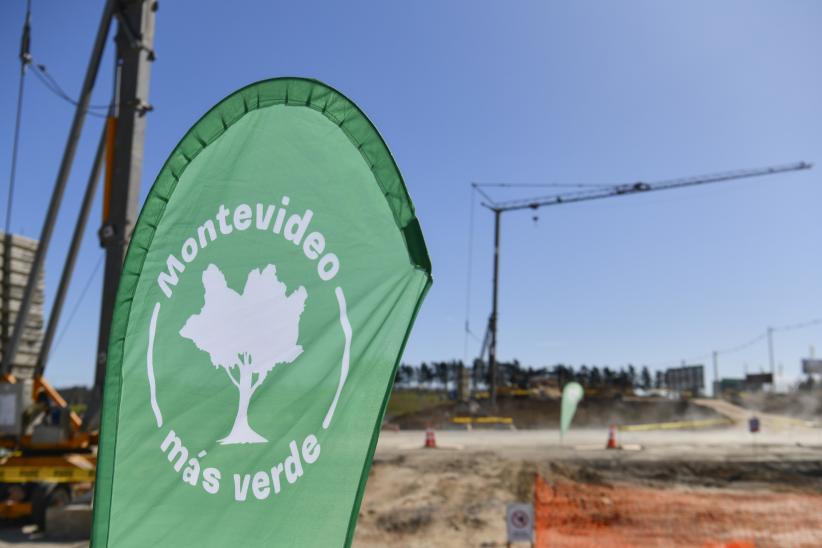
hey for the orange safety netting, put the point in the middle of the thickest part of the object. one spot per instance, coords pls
(571, 514)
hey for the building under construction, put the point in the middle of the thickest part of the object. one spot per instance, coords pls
(16, 256)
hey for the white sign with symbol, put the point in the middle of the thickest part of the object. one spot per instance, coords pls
(520, 522)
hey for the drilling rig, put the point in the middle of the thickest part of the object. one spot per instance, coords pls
(48, 450)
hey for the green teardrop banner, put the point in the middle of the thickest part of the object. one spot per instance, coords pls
(268, 292)
(571, 396)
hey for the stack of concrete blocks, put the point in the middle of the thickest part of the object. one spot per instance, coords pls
(16, 257)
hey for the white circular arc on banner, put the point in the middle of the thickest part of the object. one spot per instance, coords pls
(346, 327)
(152, 384)
(344, 367)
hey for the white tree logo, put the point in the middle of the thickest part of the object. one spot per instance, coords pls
(252, 332)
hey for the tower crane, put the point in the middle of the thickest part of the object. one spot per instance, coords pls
(489, 343)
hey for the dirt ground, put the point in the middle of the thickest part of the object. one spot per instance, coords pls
(533, 413)
(581, 514)
(692, 488)
(712, 487)
(802, 405)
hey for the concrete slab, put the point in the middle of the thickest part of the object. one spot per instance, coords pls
(70, 522)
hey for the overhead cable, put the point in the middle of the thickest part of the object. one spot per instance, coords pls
(25, 60)
(79, 302)
(53, 86)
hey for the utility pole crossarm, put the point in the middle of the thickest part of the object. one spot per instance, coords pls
(641, 187)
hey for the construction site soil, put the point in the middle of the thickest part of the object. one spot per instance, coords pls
(801, 405)
(703, 488)
(457, 495)
(527, 413)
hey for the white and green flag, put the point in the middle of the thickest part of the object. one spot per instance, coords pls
(571, 396)
(268, 291)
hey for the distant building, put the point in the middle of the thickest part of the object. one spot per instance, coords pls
(688, 379)
(755, 382)
(732, 385)
(16, 258)
(811, 366)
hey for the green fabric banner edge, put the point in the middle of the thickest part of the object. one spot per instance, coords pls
(288, 91)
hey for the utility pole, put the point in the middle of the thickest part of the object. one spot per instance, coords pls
(59, 185)
(770, 349)
(492, 322)
(134, 42)
(714, 354)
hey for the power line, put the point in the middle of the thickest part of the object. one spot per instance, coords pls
(53, 86)
(792, 327)
(543, 185)
(747, 344)
(25, 60)
(743, 346)
(78, 303)
(41, 72)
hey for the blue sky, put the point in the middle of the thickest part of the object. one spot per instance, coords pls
(527, 91)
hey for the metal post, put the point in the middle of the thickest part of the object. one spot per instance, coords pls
(68, 267)
(25, 61)
(492, 347)
(59, 186)
(770, 349)
(714, 354)
(135, 38)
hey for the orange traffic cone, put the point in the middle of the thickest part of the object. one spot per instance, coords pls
(612, 443)
(430, 439)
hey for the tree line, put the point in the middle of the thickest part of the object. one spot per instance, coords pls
(446, 374)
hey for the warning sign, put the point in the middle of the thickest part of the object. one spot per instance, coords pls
(520, 522)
